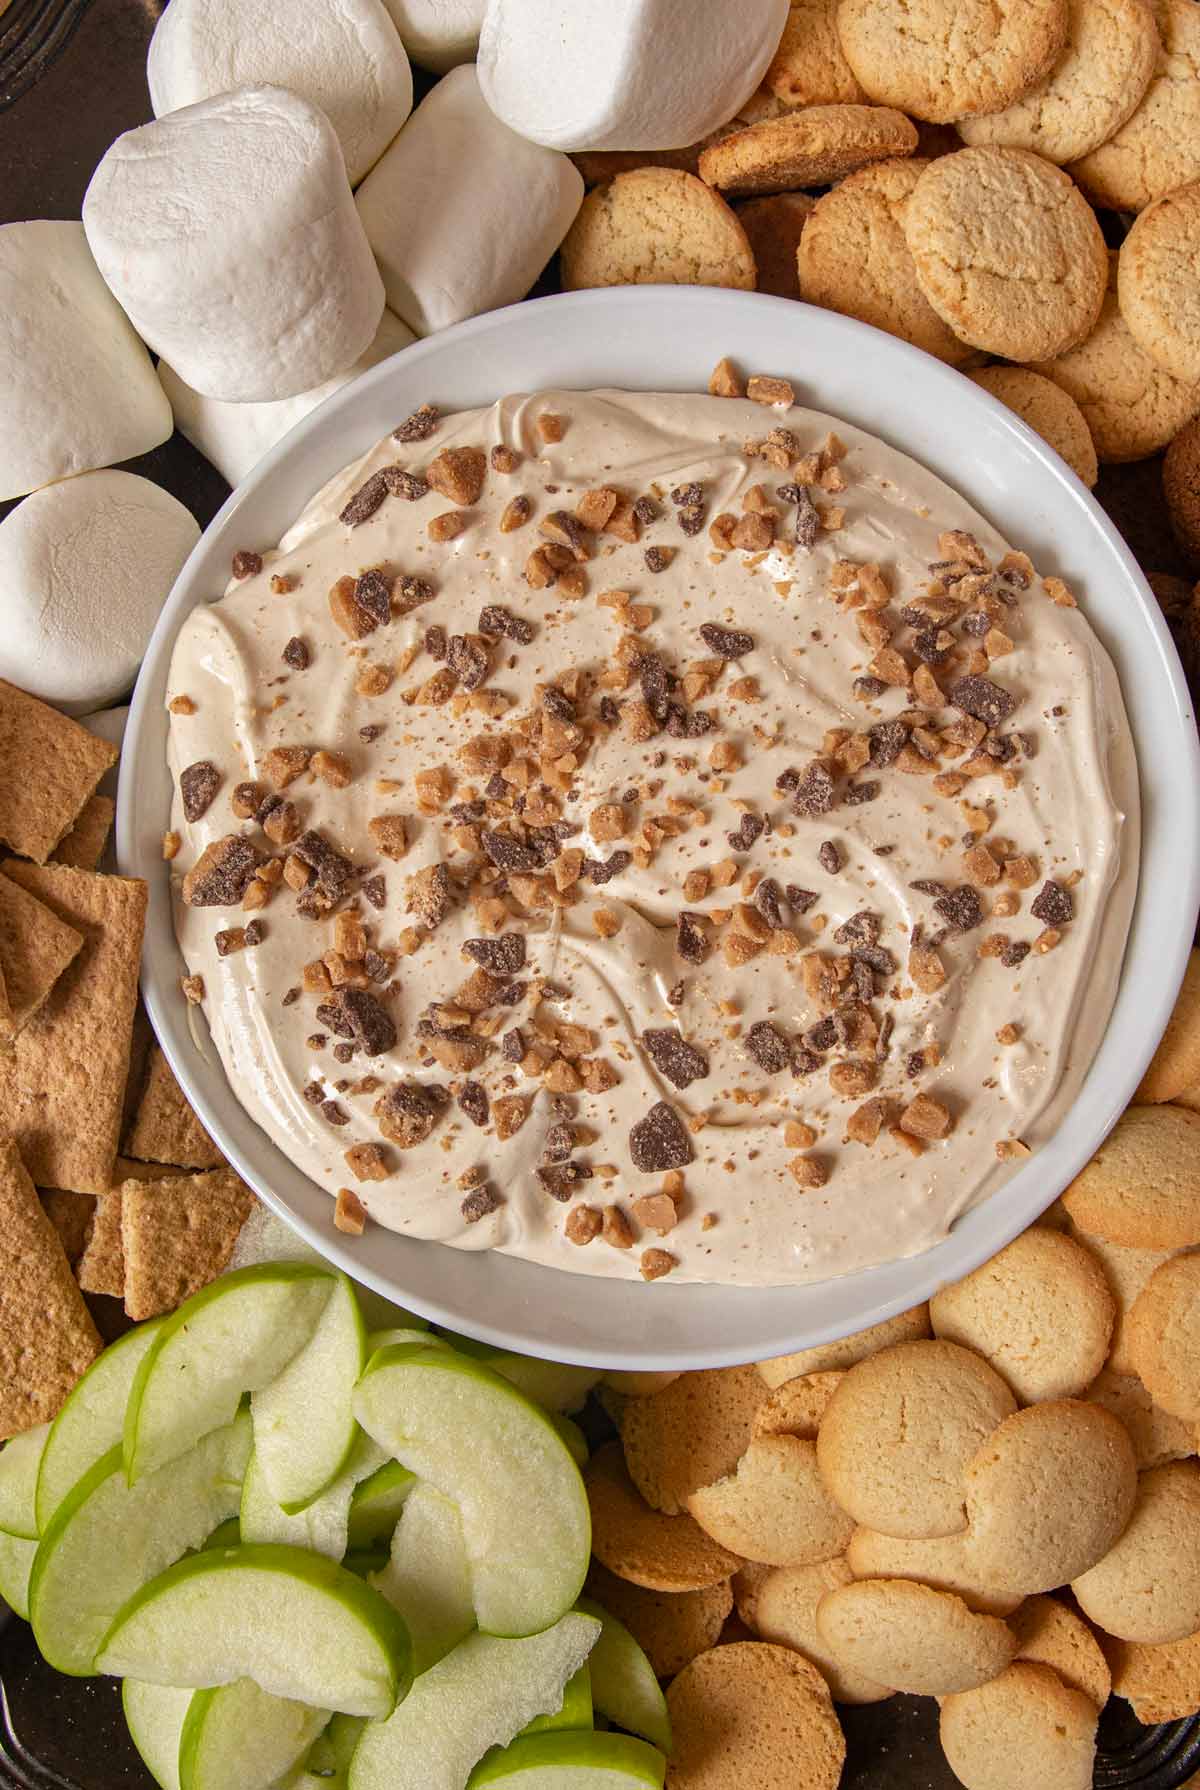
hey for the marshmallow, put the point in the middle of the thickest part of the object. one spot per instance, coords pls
(439, 34)
(77, 389)
(624, 74)
(345, 57)
(84, 569)
(236, 436)
(228, 232)
(462, 214)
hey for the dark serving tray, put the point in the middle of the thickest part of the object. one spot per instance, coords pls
(71, 80)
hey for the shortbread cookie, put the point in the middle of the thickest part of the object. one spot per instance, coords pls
(690, 1434)
(853, 258)
(1047, 408)
(1094, 87)
(913, 1638)
(949, 59)
(1007, 251)
(775, 226)
(1147, 1586)
(797, 1408)
(785, 1612)
(1181, 488)
(810, 147)
(1050, 1634)
(1040, 1312)
(656, 226)
(899, 1431)
(753, 1714)
(942, 1563)
(1159, 148)
(1024, 1728)
(1157, 1435)
(1164, 1337)
(1126, 1271)
(810, 68)
(748, 1581)
(775, 1508)
(1158, 281)
(1142, 1187)
(906, 1326)
(672, 1628)
(640, 1544)
(1162, 1683)
(1175, 1065)
(1048, 1495)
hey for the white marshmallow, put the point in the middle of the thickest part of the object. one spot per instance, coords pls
(84, 569)
(344, 56)
(624, 74)
(236, 436)
(463, 214)
(438, 34)
(228, 232)
(77, 388)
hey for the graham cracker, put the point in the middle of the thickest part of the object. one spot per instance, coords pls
(71, 1215)
(47, 1337)
(83, 846)
(101, 1266)
(166, 1129)
(178, 1235)
(51, 765)
(62, 1086)
(35, 948)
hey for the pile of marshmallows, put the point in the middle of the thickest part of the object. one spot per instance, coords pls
(281, 226)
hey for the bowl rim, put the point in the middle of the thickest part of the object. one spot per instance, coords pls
(627, 318)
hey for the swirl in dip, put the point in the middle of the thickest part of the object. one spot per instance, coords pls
(651, 833)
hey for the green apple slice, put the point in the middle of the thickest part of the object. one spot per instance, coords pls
(304, 1428)
(376, 1504)
(16, 1564)
(225, 1535)
(322, 1525)
(93, 1419)
(428, 1578)
(239, 1734)
(575, 1711)
(266, 1239)
(624, 1686)
(19, 1463)
(573, 1436)
(524, 1511)
(108, 1539)
(479, 1696)
(233, 1337)
(298, 1624)
(554, 1385)
(387, 1339)
(572, 1761)
(154, 1715)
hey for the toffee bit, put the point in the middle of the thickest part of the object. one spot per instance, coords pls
(726, 643)
(290, 997)
(610, 712)
(370, 733)
(561, 1179)
(1053, 905)
(247, 564)
(504, 459)
(769, 1048)
(222, 872)
(296, 654)
(886, 740)
(409, 1110)
(660, 1141)
(867, 689)
(602, 870)
(419, 426)
(411, 593)
(749, 831)
(365, 501)
(676, 1060)
(658, 558)
(829, 857)
(557, 703)
(375, 891)
(198, 785)
(480, 1203)
(981, 698)
(961, 909)
(1015, 954)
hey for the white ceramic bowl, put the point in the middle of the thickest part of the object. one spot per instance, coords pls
(669, 338)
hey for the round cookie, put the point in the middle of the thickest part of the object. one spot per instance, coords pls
(1048, 1495)
(640, 1544)
(810, 147)
(774, 226)
(656, 226)
(748, 1581)
(1050, 1634)
(691, 1433)
(1040, 1312)
(1093, 89)
(911, 1637)
(906, 1326)
(1164, 1337)
(941, 1563)
(1162, 1683)
(943, 60)
(775, 1508)
(853, 258)
(1157, 1436)
(1007, 251)
(1025, 1727)
(1127, 1271)
(1158, 282)
(753, 1714)
(785, 1611)
(1142, 1187)
(1181, 488)
(1175, 1065)
(796, 1409)
(1158, 149)
(899, 1431)
(1147, 1587)
(1048, 410)
(809, 67)
(671, 1628)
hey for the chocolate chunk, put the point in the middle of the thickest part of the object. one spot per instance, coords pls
(436, 642)
(887, 739)
(247, 564)
(875, 957)
(981, 698)
(602, 870)
(408, 1112)
(886, 1027)
(801, 899)
(198, 784)
(344, 1053)
(655, 682)
(862, 928)
(366, 500)
(815, 791)
(855, 794)
(370, 733)
(559, 1142)
(222, 872)
(473, 1099)
(928, 885)
(808, 519)
(290, 997)
(375, 891)
(726, 643)
(556, 702)
(254, 934)
(868, 688)
(805, 1063)
(674, 1058)
(769, 1048)
(501, 624)
(977, 624)
(502, 956)
(408, 485)
(411, 592)
(376, 965)
(510, 854)
(914, 1064)
(691, 938)
(933, 645)
(469, 659)
(657, 558)
(660, 1141)
(823, 1036)
(685, 724)
(373, 596)
(355, 1014)
(296, 654)
(512, 1045)
(961, 909)
(646, 510)
(333, 871)
(610, 712)
(684, 496)
(334, 1114)
(560, 1179)
(1053, 905)
(419, 426)
(512, 995)
(788, 780)
(313, 1092)
(691, 519)
(768, 901)
(829, 857)
(748, 832)
(1014, 954)
(480, 1202)
(1000, 746)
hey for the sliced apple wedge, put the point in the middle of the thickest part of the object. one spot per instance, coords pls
(237, 1734)
(16, 1564)
(154, 1715)
(108, 1539)
(524, 1511)
(93, 1419)
(376, 1504)
(575, 1710)
(20, 1461)
(233, 1337)
(322, 1525)
(479, 1696)
(299, 1625)
(624, 1686)
(572, 1761)
(428, 1577)
(555, 1385)
(304, 1428)
(573, 1436)
(266, 1239)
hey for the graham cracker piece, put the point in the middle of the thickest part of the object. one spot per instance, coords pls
(101, 1266)
(51, 766)
(166, 1129)
(71, 1215)
(178, 1235)
(84, 845)
(35, 948)
(47, 1338)
(62, 1085)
